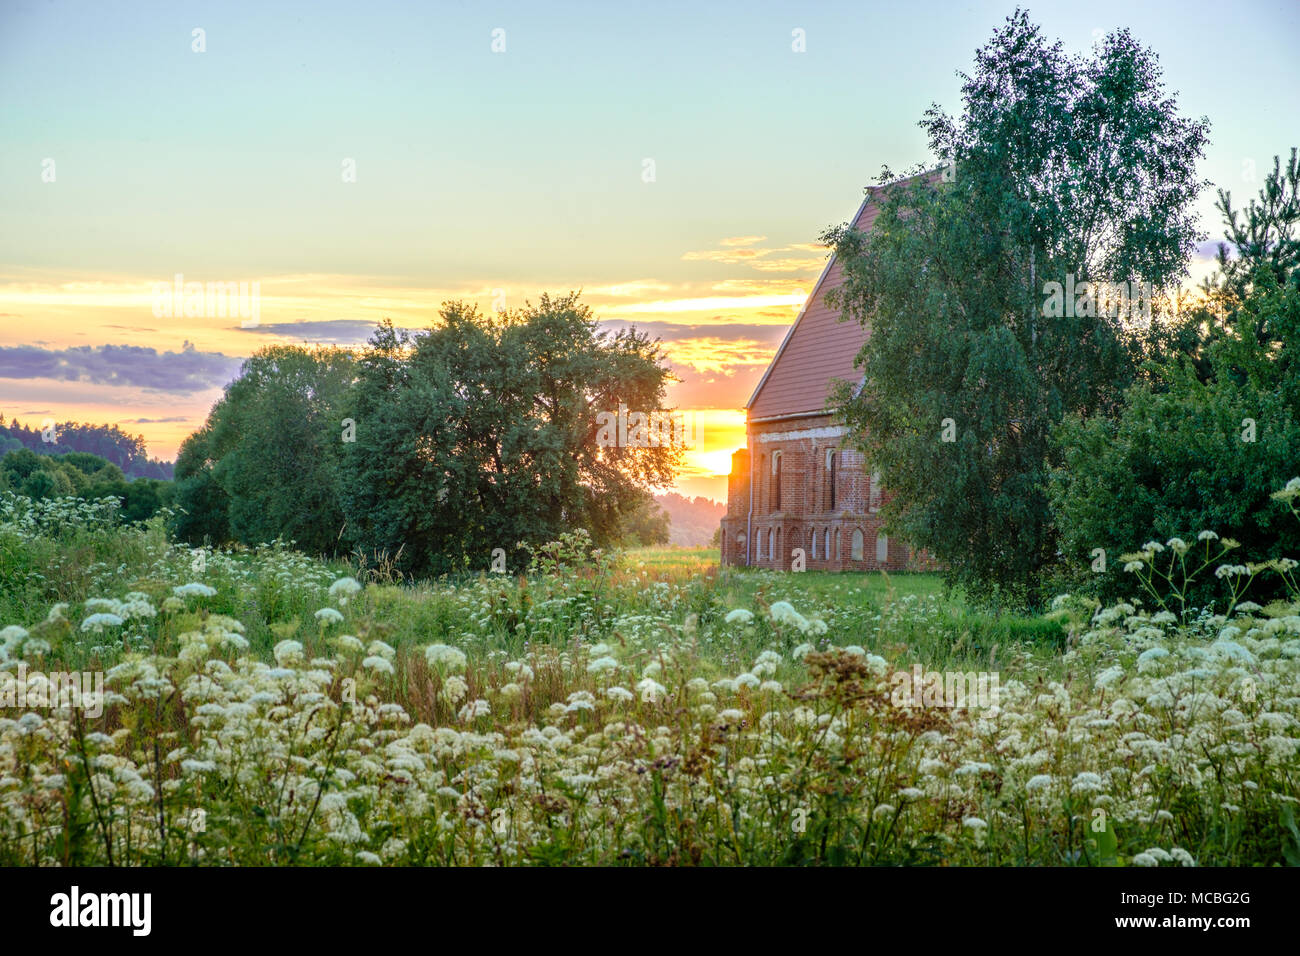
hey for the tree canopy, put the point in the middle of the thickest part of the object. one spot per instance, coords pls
(1059, 169)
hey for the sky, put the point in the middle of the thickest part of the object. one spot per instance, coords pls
(674, 162)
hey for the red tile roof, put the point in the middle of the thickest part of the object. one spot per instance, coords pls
(818, 349)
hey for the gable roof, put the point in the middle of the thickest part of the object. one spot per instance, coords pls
(818, 348)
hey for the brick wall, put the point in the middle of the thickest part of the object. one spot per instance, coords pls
(796, 510)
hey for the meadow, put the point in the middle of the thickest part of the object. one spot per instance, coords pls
(260, 707)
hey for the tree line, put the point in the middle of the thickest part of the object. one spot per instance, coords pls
(109, 442)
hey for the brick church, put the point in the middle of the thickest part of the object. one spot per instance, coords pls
(797, 483)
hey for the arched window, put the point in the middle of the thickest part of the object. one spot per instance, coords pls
(776, 547)
(857, 544)
(830, 480)
(776, 481)
(837, 544)
(882, 549)
(874, 498)
(813, 535)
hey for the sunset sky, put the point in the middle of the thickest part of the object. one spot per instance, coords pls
(126, 158)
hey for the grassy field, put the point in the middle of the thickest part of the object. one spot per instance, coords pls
(262, 707)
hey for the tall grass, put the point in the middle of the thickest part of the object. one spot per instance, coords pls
(261, 707)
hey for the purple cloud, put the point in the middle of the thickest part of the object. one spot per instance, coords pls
(325, 331)
(188, 370)
(676, 332)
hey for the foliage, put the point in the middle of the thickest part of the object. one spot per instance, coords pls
(86, 476)
(645, 526)
(480, 433)
(1060, 166)
(109, 442)
(266, 463)
(1204, 442)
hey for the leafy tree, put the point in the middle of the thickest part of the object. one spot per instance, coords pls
(202, 505)
(269, 453)
(646, 526)
(1061, 167)
(481, 433)
(1204, 443)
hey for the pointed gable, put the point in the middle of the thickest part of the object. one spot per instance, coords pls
(819, 348)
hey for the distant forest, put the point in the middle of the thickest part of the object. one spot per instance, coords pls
(107, 441)
(693, 521)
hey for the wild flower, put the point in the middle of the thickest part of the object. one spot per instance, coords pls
(766, 665)
(343, 589)
(194, 589)
(349, 644)
(650, 690)
(783, 612)
(474, 710)
(288, 652)
(454, 688)
(580, 700)
(328, 615)
(97, 622)
(1289, 492)
(445, 657)
(1087, 782)
(602, 665)
(378, 664)
(739, 616)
